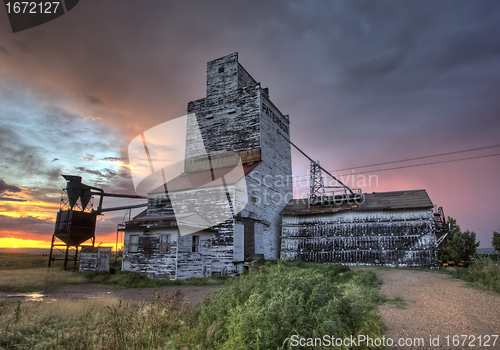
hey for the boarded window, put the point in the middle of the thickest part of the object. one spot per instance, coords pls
(196, 244)
(164, 243)
(134, 244)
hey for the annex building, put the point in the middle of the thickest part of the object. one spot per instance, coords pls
(387, 228)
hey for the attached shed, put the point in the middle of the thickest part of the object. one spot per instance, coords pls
(387, 228)
(94, 259)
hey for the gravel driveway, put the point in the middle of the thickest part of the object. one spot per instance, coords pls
(438, 305)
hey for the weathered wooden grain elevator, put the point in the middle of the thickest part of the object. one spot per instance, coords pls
(236, 117)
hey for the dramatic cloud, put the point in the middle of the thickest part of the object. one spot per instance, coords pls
(32, 225)
(94, 100)
(8, 199)
(10, 188)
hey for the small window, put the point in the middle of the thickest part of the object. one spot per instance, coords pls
(196, 244)
(164, 243)
(221, 69)
(134, 244)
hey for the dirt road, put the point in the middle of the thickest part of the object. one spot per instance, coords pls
(438, 305)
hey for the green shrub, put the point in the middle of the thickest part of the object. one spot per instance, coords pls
(262, 310)
(484, 273)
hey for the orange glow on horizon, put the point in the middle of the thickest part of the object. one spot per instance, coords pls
(10, 242)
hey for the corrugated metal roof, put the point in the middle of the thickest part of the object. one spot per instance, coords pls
(417, 199)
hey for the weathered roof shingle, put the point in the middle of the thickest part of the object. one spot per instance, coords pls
(417, 199)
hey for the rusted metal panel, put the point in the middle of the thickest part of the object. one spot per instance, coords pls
(74, 227)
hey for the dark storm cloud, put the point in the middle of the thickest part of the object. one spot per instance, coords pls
(49, 194)
(27, 224)
(8, 199)
(4, 187)
(115, 159)
(400, 73)
(105, 174)
(94, 100)
(23, 159)
(115, 182)
(143, 62)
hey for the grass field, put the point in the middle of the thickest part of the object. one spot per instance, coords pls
(29, 273)
(22, 261)
(258, 310)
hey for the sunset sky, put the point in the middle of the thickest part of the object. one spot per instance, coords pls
(364, 82)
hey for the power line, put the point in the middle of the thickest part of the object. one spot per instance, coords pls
(423, 157)
(297, 178)
(417, 165)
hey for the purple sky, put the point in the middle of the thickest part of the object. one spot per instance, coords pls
(364, 82)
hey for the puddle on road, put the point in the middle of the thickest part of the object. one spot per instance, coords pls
(39, 296)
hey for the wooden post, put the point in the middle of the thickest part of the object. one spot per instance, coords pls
(51, 248)
(66, 257)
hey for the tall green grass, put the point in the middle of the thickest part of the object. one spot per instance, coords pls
(127, 279)
(259, 310)
(262, 310)
(484, 273)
